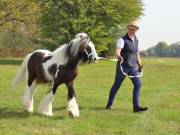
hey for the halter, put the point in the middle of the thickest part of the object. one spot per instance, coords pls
(88, 54)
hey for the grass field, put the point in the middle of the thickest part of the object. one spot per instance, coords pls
(160, 92)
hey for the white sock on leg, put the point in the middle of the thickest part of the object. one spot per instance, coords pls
(73, 108)
(45, 106)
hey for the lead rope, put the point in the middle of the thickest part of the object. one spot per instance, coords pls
(140, 73)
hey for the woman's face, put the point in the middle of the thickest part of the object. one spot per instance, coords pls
(132, 30)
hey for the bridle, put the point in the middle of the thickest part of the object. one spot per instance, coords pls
(88, 54)
(85, 50)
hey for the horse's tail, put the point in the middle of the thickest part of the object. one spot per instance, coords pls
(21, 73)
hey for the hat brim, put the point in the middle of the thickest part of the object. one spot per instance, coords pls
(133, 26)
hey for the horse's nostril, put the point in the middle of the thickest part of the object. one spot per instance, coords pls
(96, 59)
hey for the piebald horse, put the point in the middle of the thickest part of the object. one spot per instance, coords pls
(56, 68)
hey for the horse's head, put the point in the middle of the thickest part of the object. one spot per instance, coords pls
(87, 48)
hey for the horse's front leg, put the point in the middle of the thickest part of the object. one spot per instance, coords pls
(73, 108)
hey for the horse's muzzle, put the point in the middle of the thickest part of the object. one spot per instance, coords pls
(93, 59)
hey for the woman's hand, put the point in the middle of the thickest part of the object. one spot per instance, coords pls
(140, 68)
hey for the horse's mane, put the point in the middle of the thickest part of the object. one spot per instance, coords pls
(68, 50)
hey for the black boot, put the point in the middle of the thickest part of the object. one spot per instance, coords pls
(139, 109)
(108, 107)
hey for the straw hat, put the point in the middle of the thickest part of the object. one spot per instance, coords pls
(134, 23)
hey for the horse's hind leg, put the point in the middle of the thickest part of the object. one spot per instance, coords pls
(73, 108)
(28, 95)
(45, 106)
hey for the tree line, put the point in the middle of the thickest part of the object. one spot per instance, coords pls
(162, 49)
(50, 23)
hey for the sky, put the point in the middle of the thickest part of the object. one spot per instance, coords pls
(161, 22)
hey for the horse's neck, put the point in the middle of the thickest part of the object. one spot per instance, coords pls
(72, 63)
(60, 55)
(63, 58)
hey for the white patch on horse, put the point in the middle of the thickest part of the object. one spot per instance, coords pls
(56, 73)
(58, 57)
(94, 54)
(45, 106)
(73, 108)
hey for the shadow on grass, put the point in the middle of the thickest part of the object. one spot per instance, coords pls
(92, 108)
(102, 108)
(9, 61)
(60, 108)
(95, 108)
(6, 113)
(48, 117)
(83, 108)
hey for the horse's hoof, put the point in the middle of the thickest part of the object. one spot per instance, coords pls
(45, 113)
(70, 114)
(73, 115)
(28, 109)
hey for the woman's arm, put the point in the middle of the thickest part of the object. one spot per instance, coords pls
(119, 46)
(139, 60)
(118, 53)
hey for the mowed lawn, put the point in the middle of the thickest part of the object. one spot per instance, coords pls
(160, 92)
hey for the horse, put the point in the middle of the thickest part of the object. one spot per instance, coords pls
(56, 68)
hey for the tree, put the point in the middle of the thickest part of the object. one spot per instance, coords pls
(19, 18)
(175, 49)
(152, 51)
(144, 53)
(54, 22)
(162, 49)
(103, 20)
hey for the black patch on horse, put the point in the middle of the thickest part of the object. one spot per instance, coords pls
(85, 58)
(35, 69)
(52, 69)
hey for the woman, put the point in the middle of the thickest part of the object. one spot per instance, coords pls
(129, 63)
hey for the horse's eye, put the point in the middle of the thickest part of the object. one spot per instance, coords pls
(88, 49)
(81, 36)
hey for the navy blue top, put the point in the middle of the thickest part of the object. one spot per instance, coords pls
(129, 51)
